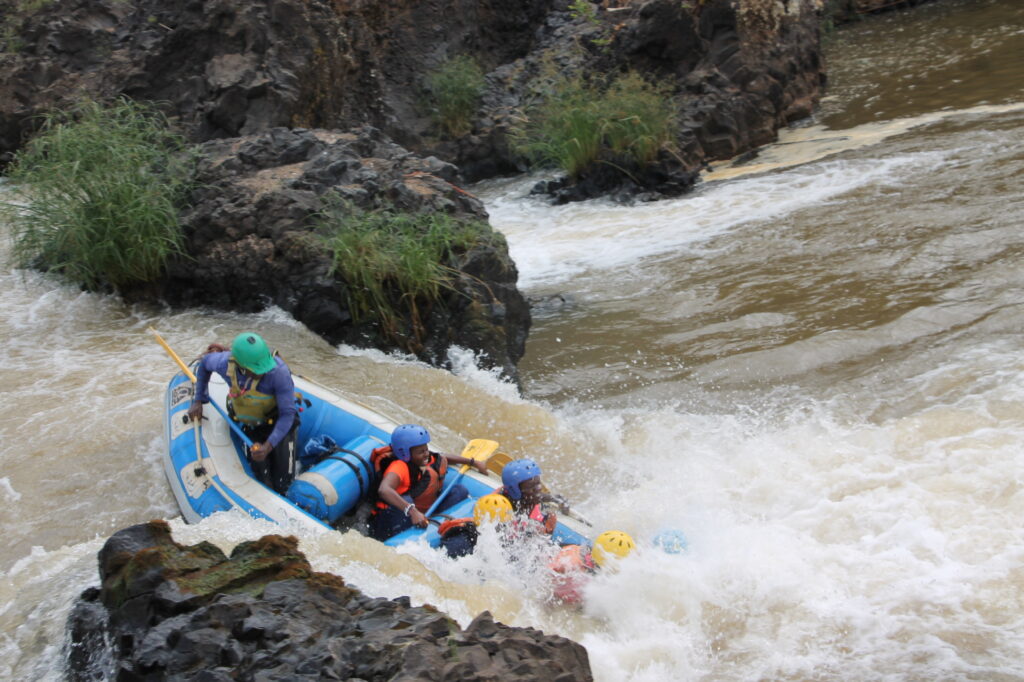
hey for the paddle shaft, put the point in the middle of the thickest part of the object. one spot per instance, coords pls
(192, 378)
(477, 449)
(444, 493)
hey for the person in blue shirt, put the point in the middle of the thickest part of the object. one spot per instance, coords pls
(261, 399)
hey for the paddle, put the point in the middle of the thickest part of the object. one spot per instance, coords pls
(192, 378)
(478, 449)
(196, 427)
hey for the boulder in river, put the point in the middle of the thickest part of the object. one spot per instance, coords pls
(166, 611)
(251, 242)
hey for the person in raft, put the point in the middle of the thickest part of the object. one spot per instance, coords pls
(459, 536)
(521, 484)
(573, 567)
(413, 478)
(261, 399)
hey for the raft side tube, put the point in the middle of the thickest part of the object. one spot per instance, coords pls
(337, 483)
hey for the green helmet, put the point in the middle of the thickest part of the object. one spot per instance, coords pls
(251, 352)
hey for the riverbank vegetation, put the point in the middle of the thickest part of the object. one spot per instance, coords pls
(392, 258)
(103, 185)
(579, 124)
(455, 90)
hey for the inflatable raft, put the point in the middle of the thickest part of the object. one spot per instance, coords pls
(209, 473)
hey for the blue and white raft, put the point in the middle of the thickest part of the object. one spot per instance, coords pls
(209, 473)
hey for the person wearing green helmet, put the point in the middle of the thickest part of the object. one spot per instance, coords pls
(261, 399)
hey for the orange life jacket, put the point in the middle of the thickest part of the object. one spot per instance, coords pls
(425, 490)
(454, 524)
(571, 569)
(572, 559)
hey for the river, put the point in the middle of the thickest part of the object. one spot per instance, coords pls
(811, 365)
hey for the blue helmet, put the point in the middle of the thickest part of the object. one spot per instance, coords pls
(407, 436)
(671, 541)
(515, 473)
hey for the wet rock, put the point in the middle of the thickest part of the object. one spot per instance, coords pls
(842, 11)
(264, 614)
(552, 303)
(250, 232)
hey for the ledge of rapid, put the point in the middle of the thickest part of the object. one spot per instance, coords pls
(167, 611)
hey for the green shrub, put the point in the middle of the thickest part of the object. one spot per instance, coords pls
(582, 9)
(580, 124)
(641, 118)
(104, 184)
(389, 257)
(455, 90)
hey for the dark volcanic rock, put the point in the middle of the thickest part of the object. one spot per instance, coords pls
(250, 239)
(165, 611)
(225, 69)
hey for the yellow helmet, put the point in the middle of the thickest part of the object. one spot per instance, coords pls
(612, 543)
(493, 508)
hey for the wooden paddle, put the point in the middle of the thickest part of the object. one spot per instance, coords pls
(478, 449)
(196, 429)
(192, 378)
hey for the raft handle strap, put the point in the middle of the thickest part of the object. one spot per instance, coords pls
(363, 485)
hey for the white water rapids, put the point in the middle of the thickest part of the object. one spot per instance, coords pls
(811, 365)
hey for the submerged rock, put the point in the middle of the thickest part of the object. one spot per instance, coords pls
(166, 611)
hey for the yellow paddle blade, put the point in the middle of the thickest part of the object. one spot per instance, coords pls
(479, 449)
(496, 464)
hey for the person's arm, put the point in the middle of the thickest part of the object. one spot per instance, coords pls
(284, 393)
(208, 364)
(389, 493)
(547, 521)
(479, 464)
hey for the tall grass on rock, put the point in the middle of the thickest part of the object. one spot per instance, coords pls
(455, 90)
(390, 259)
(103, 184)
(578, 124)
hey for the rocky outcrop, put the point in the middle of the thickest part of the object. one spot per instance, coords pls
(250, 234)
(164, 611)
(739, 70)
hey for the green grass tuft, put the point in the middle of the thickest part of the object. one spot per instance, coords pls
(390, 258)
(580, 124)
(455, 90)
(104, 184)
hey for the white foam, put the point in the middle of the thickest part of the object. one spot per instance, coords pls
(9, 491)
(466, 365)
(551, 245)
